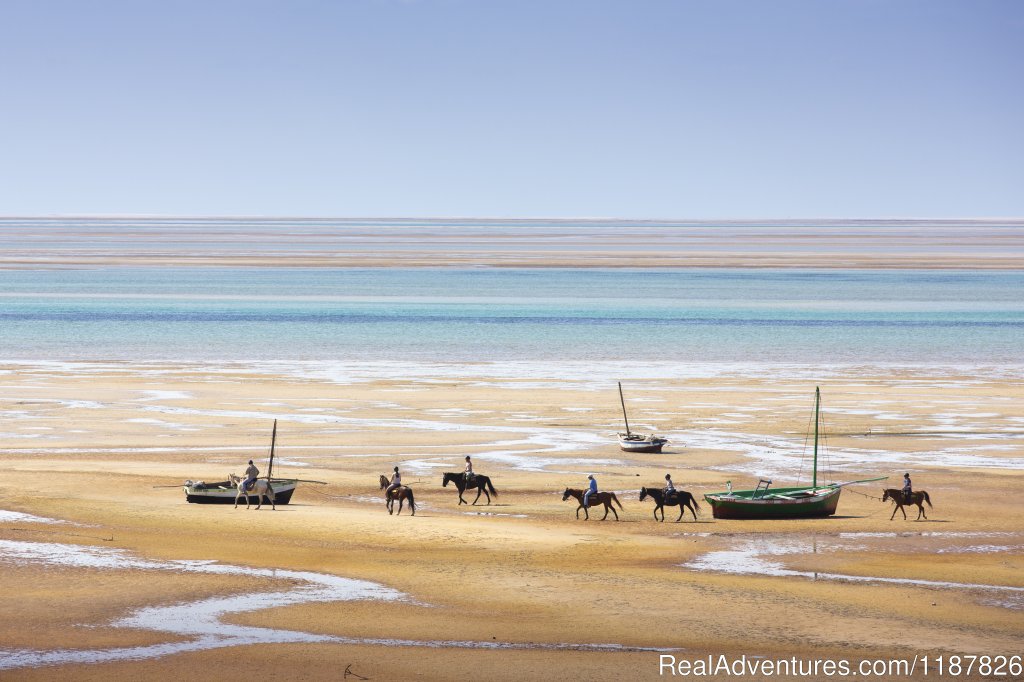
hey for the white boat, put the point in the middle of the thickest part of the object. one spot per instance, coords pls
(222, 492)
(634, 442)
(637, 442)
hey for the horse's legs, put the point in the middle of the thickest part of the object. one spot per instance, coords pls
(606, 508)
(655, 512)
(920, 512)
(682, 510)
(236, 498)
(693, 510)
(578, 512)
(617, 513)
(478, 491)
(894, 510)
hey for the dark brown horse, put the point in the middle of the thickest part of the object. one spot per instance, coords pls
(480, 482)
(681, 498)
(605, 498)
(401, 494)
(896, 495)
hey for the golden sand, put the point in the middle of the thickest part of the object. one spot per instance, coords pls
(88, 447)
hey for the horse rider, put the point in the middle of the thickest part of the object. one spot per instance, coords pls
(908, 489)
(469, 475)
(670, 489)
(591, 489)
(396, 482)
(251, 474)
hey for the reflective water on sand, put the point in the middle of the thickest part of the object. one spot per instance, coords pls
(201, 622)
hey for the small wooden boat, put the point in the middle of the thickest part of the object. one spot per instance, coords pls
(765, 502)
(222, 492)
(636, 442)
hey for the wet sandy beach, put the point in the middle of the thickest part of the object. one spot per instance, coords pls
(108, 576)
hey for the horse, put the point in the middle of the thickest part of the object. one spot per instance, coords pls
(603, 497)
(916, 497)
(260, 487)
(480, 482)
(681, 498)
(401, 493)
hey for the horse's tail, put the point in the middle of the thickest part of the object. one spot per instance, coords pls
(926, 498)
(490, 486)
(616, 501)
(412, 502)
(695, 503)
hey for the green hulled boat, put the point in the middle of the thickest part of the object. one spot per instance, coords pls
(765, 502)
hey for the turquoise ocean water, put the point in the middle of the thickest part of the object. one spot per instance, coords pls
(496, 314)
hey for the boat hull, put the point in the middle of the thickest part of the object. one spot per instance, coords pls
(647, 444)
(773, 506)
(222, 493)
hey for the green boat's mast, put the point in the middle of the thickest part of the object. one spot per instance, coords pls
(817, 402)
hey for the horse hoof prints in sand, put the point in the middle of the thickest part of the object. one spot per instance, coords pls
(605, 498)
(401, 493)
(260, 488)
(896, 495)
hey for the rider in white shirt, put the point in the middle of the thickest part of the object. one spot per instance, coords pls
(396, 482)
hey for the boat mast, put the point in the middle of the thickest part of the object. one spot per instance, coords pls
(817, 403)
(623, 401)
(273, 439)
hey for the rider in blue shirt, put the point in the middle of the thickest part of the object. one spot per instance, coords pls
(590, 491)
(908, 489)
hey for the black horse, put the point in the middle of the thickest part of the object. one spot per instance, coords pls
(480, 482)
(681, 498)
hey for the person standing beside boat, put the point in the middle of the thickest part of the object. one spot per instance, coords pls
(251, 474)
(396, 482)
(591, 489)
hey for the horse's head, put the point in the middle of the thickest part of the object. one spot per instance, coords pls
(643, 494)
(885, 495)
(233, 478)
(444, 482)
(566, 494)
(383, 482)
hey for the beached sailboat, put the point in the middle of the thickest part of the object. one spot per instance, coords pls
(224, 492)
(636, 442)
(765, 502)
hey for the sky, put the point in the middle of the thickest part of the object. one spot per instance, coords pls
(687, 109)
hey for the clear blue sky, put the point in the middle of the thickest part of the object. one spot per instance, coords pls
(639, 108)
